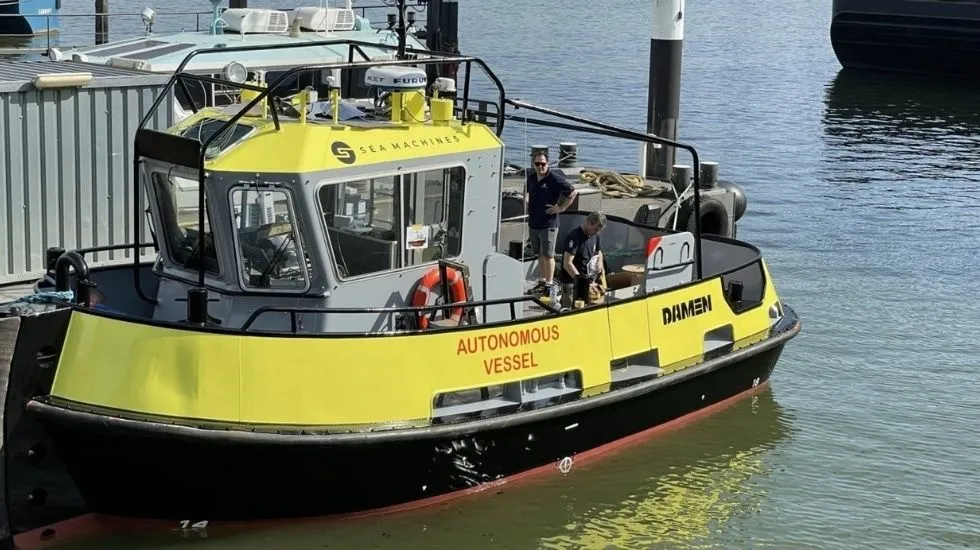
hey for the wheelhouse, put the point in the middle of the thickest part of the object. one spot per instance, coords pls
(305, 214)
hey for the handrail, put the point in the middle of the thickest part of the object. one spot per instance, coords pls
(637, 136)
(112, 247)
(292, 311)
(435, 57)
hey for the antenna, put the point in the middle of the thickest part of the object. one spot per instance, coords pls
(401, 32)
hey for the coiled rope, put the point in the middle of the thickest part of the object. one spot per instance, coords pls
(616, 185)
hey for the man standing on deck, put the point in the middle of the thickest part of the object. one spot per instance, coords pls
(546, 193)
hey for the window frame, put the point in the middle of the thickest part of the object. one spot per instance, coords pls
(166, 233)
(321, 214)
(297, 236)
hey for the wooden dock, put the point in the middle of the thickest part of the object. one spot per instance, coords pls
(9, 293)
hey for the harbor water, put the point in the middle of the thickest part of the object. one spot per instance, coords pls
(862, 194)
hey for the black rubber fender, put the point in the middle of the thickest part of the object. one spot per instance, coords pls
(714, 217)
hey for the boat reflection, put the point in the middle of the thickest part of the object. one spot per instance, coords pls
(883, 105)
(880, 124)
(679, 488)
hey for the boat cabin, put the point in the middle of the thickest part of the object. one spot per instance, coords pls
(310, 214)
(257, 47)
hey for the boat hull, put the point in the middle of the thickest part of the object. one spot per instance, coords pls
(29, 18)
(138, 469)
(933, 37)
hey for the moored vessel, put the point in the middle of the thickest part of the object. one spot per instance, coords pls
(29, 17)
(937, 37)
(330, 311)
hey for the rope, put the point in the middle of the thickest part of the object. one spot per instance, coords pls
(32, 304)
(44, 297)
(616, 185)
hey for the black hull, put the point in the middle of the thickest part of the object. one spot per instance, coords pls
(937, 37)
(35, 489)
(144, 470)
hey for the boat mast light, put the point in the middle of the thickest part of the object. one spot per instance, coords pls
(235, 72)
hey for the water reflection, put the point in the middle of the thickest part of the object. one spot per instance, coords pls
(882, 124)
(683, 488)
(22, 48)
(868, 110)
(680, 488)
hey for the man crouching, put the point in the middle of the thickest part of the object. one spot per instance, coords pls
(582, 254)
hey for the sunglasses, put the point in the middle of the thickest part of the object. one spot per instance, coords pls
(541, 164)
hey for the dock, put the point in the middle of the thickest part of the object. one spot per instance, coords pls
(10, 293)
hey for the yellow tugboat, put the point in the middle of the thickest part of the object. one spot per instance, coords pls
(283, 356)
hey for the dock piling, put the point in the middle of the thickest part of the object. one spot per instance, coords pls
(234, 4)
(101, 21)
(663, 103)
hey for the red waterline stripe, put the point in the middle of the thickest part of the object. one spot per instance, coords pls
(75, 529)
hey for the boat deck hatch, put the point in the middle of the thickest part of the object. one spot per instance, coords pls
(157, 52)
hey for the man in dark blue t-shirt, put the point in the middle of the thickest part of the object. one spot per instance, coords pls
(582, 254)
(547, 193)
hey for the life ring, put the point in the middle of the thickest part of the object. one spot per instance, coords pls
(432, 280)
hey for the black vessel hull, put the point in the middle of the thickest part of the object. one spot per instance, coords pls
(135, 468)
(129, 469)
(936, 37)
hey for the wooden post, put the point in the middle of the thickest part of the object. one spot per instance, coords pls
(101, 21)
(238, 3)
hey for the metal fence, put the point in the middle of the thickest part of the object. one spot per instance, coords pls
(66, 172)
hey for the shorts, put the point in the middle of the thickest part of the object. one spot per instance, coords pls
(543, 241)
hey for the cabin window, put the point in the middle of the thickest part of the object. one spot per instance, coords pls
(207, 127)
(270, 256)
(392, 222)
(177, 198)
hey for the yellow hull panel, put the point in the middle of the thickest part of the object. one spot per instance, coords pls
(343, 380)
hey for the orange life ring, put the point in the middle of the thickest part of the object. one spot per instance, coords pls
(432, 280)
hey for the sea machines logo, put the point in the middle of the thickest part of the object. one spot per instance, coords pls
(348, 155)
(684, 310)
(343, 152)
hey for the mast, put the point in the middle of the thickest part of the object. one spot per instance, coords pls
(401, 32)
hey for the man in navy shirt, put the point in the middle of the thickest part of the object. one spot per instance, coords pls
(547, 193)
(582, 255)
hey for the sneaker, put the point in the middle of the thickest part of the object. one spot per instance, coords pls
(538, 289)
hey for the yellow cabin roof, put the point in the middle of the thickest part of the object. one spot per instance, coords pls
(318, 146)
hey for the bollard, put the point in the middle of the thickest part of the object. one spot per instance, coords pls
(681, 177)
(709, 175)
(536, 149)
(567, 154)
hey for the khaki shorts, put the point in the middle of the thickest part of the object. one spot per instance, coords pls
(543, 241)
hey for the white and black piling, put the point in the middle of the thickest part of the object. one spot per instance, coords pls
(664, 89)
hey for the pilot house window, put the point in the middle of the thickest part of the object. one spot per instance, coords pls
(270, 256)
(386, 223)
(177, 198)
